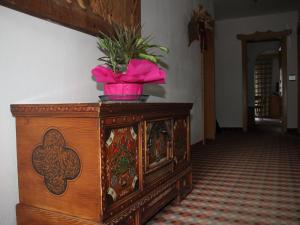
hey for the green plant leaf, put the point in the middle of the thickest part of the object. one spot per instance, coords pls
(151, 58)
(126, 44)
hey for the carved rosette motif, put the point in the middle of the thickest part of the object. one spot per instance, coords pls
(122, 170)
(159, 138)
(55, 162)
(180, 140)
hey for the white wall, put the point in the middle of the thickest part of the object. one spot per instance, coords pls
(167, 21)
(229, 64)
(42, 62)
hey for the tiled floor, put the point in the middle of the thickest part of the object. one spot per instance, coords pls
(242, 179)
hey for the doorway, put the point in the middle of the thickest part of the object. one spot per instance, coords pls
(264, 85)
(258, 105)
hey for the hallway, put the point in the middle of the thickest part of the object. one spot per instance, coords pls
(242, 179)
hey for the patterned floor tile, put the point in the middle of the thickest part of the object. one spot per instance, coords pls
(241, 179)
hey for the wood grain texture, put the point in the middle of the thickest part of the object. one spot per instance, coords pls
(82, 196)
(283, 44)
(94, 110)
(86, 16)
(34, 216)
(245, 85)
(209, 88)
(111, 183)
(298, 76)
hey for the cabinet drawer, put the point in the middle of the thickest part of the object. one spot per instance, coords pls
(157, 203)
(132, 219)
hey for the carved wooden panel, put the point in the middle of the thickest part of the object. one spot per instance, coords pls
(180, 141)
(121, 163)
(88, 16)
(159, 201)
(55, 162)
(158, 143)
(130, 220)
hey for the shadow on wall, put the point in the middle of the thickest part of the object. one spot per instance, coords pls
(155, 90)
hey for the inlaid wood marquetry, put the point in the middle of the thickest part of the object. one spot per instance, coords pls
(55, 162)
(180, 140)
(159, 142)
(122, 167)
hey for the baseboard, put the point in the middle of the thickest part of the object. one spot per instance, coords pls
(196, 145)
(292, 130)
(232, 129)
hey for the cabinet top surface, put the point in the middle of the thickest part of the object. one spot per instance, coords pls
(95, 109)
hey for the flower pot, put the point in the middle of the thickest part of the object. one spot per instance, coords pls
(123, 91)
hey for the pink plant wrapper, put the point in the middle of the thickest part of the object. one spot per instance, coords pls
(138, 71)
(123, 89)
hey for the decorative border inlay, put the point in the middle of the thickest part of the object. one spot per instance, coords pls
(55, 162)
(151, 195)
(55, 108)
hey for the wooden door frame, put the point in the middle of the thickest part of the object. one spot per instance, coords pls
(208, 81)
(298, 81)
(257, 37)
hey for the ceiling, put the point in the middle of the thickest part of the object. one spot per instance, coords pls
(229, 9)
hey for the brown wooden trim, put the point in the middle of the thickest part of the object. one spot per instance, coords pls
(262, 36)
(268, 56)
(209, 88)
(196, 145)
(245, 85)
(41, 9)
(97, 109)
(81, 15)
(298, 81)
(234, 129)
(292, 130)
(284, 84)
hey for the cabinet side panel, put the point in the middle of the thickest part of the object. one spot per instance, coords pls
(33, 216)
(58, 165)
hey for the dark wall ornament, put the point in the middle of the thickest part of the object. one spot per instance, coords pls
(55, 162)
(200, 23)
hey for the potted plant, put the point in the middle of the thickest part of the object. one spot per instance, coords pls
(129, 61)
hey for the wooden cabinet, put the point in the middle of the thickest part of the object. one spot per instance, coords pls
(100, 163)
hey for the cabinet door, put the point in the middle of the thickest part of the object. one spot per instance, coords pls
(120, 164)
(181, 141)
(158, 149)
(158, 143)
